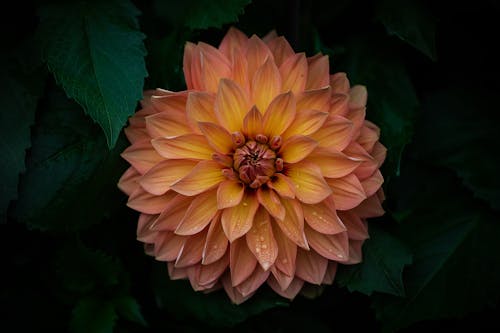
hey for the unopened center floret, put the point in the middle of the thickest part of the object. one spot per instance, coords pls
(255, 163)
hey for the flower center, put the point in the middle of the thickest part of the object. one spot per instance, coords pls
(255, 163)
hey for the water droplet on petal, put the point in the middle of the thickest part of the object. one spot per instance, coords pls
(264, 246)
(245, 204)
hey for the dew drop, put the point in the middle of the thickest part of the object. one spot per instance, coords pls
(261, 238)
(264, 246)
(315, 213)
(340, 256)
(257, 249)
(245, 204)
(284, 260)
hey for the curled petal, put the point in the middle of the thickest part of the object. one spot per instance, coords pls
(229, 194)
(358, 96)
(214, 66)
(144, 232)
(296, 148)
(372, 184)
(282, 185)
(339, 104)
(310, 186)
(339, 83)
(323, 218)
(306, 122)
(332, 163)
(318, 99)
(218, 137)
(210, 273)
(231, 105)
(261, 241)
(336, 133)
(252, 123)
(148, 203)
(333, 247)
(200, 108)
(168, 246)
(237, 220)
(173, 213)
(191, 251)
(254, 281)
(266, 84)
(371, 207)
(204, 176)
(356, 228)
(167, 124)
(129, 181)
(189, 146)
(257, 54)
(368, 136)
(159, 178)
(271, 202)
(199, 214)
(234, 295)
(142, 156)
(347, 192)
(279, 115)
(311, 267)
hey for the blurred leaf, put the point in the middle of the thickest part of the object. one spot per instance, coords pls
(411, 22)
(96, 53)
(456, 268)
(458, 133)
(201, 14)
(71, 176)
(392, 100)
(384, 258)
(92, 315)
(128, 308)
(214, 309)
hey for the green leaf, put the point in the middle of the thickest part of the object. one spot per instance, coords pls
(382, 267)
(128, 308)
(93, 315)
(71, 176)
(392, 101)
(455, 268)
(214, 309)
(96, 53)
(457, 134)
(410, 21)
(201, 14)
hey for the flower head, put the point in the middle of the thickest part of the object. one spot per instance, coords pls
(263, 171)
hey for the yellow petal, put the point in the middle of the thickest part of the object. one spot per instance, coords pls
(333, 247)
(310, 186)
(347, 192)
(271, 201)
(231, 105)
(296, 148)
(279, 115)
(158, 179)
(142, 156)
(252, 124)
(199, 214)
(200, 108)
(333, 163)
(336, 133)
(306, 122)
(293, 224)
(318, 99)
(282, 185)
(323, 218)
(318, 75)
(216, 244)
(266, 84)
(260, 240)
(204, 176)
(237, 220)
(242, 262)
(294, 73)
(188, 146)
(218, 137)
(229, 194)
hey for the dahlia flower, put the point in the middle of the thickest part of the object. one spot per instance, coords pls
(263, 171)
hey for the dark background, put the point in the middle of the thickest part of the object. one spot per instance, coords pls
(69, 254)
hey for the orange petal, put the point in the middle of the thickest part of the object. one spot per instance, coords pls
(379, 153)
(159, 178)
(176, 273)
(336, 133)
(311, 267)
(290, 292)
(318, 99)
(240, 70)
(256, 53)
(355, 151)
(266, 84)
(173, 213)
(339, 104)
(167, 124)
(371, 207)
(339, 83)
(358, 96)
(242, 262)
(368, 136)
(296, 148)
(281, 49)
(250, 285)
(187, 63)
(237, 220)
(282, 185)
(136, 134)
(287, 252)
(294, 73)
(331, 271)
(191, 251)
(200, 108)
(279, 115)
(214, 66)
(260, 240)
(318, 75)
(199, 214)
(333, 163)
(204, 176)
(173, 102)
(210, 273)
(148, 203)
(271, 35)
(306, 122)
(356, 228)
(372, 184)
(169, 245)
(231, 105)
(334, 247)
(216, 244)
(282, 279)
(233, 293)
(218, 137)
(271, 202)
(355, 252)
(142, 156)
(347, 192)
(252, 124)
(293, 224)
(190, 146)
(229, 194)
(357, 116)
(323, 218)
(144, 232)
(129, 181)
(233, 40)
(310, 186)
